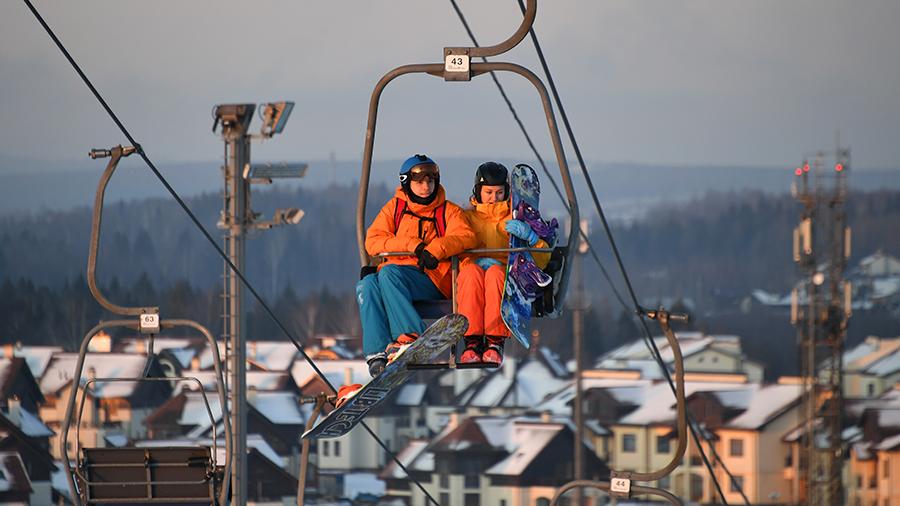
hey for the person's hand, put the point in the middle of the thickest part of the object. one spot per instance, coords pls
(485, 262)
(426, 259)
(521, 230)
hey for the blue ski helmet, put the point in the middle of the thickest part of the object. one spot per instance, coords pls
(414, 166)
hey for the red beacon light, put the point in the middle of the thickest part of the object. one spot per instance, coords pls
(798, 171)
(806, 167)
(839, 167)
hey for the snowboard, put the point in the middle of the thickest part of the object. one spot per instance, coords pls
(525, 281)
(436, 338)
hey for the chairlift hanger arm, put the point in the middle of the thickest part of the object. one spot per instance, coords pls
(115, 154)
(506, 45)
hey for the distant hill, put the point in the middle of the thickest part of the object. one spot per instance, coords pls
(626, 190)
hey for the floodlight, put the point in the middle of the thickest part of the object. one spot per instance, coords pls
(275, 116)
(232, 115)
(290, 216)
(265, 172)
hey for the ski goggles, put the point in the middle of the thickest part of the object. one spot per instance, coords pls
(423, 172)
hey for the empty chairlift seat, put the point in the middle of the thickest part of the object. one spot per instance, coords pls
(163, 475)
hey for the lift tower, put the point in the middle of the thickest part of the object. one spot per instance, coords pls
(237, 220)
(820, 310)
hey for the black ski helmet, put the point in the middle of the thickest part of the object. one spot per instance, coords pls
(491, 174)
(411, 166)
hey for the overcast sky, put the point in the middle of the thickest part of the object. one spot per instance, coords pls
(673, 82)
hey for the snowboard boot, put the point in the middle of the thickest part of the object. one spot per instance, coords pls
(345, 393)
(397, 347)
(472, 352)
(376, 363)
(493, 353)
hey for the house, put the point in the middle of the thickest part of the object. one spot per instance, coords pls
(112, 409)
(491, 460)
(872, 367)
(874, 448)
(702, 353)
(26, 466)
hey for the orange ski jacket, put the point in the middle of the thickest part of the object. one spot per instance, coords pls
(489, 222)
(381, 237)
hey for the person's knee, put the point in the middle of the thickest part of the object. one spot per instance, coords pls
(390, 273)
(495, 273)
(366, 288)
(470, 272)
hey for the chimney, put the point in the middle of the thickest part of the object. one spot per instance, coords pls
(348, 376)
(453, 420)
(9, 350)
(101, 343)
(195, 364)
(509, 368)
(546, 417)
(15, 410)
(140, 346)
(252, 354)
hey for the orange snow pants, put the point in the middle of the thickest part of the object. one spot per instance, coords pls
(479, 295)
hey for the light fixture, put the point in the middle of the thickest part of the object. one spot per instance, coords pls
(275, 116)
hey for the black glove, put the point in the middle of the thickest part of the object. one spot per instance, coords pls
(426, 259)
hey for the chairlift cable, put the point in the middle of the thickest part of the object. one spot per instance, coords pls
(538, 156)
(618, 257)
(209, 238)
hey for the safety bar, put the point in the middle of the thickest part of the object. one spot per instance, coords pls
(320, 401)
(76, 382)
(605, 486)
(437, 69)
(506, 45)
(479, 251)
(87, 386)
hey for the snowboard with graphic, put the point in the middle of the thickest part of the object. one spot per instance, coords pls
(434, 341)
(525, 281)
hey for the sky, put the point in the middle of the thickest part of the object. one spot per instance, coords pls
(744, 83)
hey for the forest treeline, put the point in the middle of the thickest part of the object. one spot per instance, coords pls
(708, 254)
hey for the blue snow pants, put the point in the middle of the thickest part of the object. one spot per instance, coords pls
(385, 304)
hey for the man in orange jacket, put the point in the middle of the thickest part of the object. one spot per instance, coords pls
(421, 221)
(481, 279)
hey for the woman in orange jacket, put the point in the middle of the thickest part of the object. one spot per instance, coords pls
(481, 279)
(421, 221)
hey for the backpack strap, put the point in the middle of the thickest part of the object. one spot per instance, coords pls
(399, 210)
(439, 218)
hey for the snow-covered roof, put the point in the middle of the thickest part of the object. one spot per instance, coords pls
(37, 357)
(890, 443)
(334, 370)
(659, 401)
(362, 483)
(28, 423)
(280, 408)
(525, 443)
(61, 370)
(534, 381)
(271, 355)
(142, 344)
(406, 456)
(888, 417)
(256, 380)
(552, 360)
(559, 403)
(411, 394)
(765, 403)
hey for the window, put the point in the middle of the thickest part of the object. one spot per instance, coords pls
(445, 481)
(542, 501)
(736, 447)
(628, 443)
(870, 389)
(337, 448)
(472, 481)
(662, 444)
(664, 482)
(737, 484)
(502, 502)
(696, 487)
(472, 500)
(887, 469)
(445, 498)
(858, 481)
(326, 448)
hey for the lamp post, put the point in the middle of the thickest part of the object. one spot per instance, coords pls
(236, 219)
